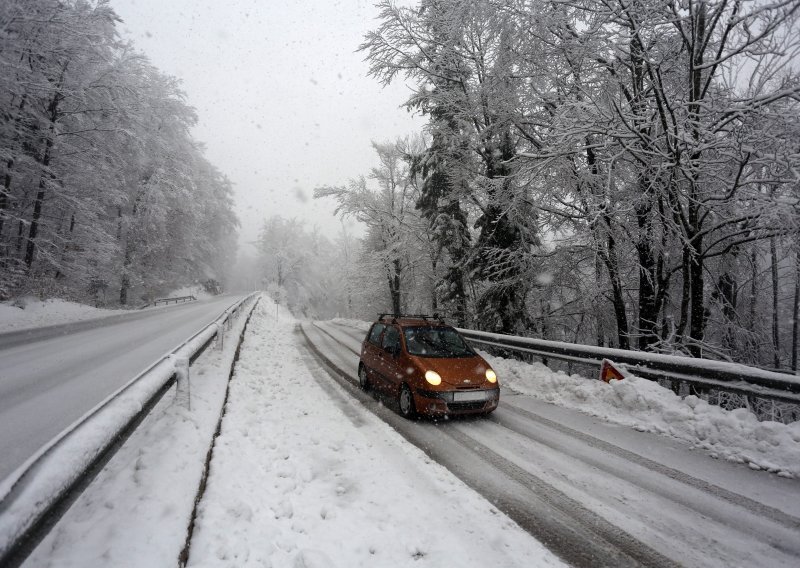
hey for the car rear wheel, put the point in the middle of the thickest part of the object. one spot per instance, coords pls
(406, 402)
(363, 379)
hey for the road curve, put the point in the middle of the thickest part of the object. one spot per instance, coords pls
(52, 376)
(594, 493)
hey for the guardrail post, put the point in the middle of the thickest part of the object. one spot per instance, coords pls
(183, 390)
(220, 336)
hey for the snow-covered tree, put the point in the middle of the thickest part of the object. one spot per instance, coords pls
(397, 237)
(622, 172)
(103, 187)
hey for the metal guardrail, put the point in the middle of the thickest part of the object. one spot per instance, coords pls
(181, 299)
(34, 497)
(166, 301)
(702, 373)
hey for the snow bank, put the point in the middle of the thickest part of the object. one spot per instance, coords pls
(734, 435)
(299, 479)
(28, 313)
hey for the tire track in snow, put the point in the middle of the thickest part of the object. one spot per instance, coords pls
(610, 545)
(760, 509)
(353, 332)
(344, 403)
(337, 340)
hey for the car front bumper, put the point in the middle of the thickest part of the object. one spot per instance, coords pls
(438, 403)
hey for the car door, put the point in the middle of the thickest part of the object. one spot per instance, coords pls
(372, 352)
(392, 352)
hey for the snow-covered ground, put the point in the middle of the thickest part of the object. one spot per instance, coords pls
(299, 481)
(31, 312)
(27, 313)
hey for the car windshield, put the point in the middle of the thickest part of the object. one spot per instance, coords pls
(436, 342)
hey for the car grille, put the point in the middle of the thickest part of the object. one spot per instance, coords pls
(472, 405)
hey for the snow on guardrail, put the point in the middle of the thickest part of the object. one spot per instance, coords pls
(43, 483)
(719, 375)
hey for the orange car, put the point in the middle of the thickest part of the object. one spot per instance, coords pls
(427, 366)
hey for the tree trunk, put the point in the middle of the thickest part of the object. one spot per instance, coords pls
(609, 257)
(20, 236)
(796, 310)
(753, 286)
(728, 294)
(460, 295)
(618, 298)
(773, 252)
(457, 291)
(686, 287)
(33, 231)
(5, 246)
(52, 111)
(648, 308)
(394, 285)
(694, 240)
(125, 282)
(601, 336)
(698, 309)
(500, 236)
(432, 283)
(4, 193)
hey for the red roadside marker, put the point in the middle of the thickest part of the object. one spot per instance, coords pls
(608, 371)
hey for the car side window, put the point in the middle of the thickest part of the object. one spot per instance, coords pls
(391, 339)
(375, 334)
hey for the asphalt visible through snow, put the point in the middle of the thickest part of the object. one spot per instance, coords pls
(50, 377)
(595, 494)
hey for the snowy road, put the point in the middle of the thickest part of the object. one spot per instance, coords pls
(597, 494)
(51, 377)
(307, 470)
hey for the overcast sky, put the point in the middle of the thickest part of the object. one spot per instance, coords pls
(283, 99)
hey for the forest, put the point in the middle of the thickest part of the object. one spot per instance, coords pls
(106, 198)
(610, 172)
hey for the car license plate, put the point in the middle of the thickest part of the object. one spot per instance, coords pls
(469, 396)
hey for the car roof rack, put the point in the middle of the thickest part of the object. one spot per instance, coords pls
(426, 317)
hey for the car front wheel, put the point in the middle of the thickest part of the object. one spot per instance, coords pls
(406, 402)
(363, 379)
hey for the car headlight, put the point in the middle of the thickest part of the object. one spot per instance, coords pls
(433, 378)
(491, 376)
